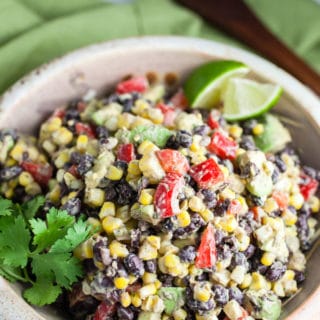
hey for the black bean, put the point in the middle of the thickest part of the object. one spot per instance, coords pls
(209, 195)
(236, 294)
(221, 295)
(134, 265)
(238, 259)
(72, 114)
(248, 126)
(9, 173)
(247, 143)
(249, 252)
(166, 280)
(135, 236)
(303, 231)
(102, 243)
(172, 143)
(275, 271)
(110, 193)
(166, 225)
(151, 266)
(102, 132)
(121, 164)
(85, 164)
(299, 276)
(219, 235)
(89, 266)
(280, 164)
(188, 254)
(75, 157)
(196, 305)
(125, 193)
(257, 201)
(221, 207)
(275, 175)
(184, 138)
(201, 130)
(250, 170)
(72, 206)
(204, 276)
(125, 313)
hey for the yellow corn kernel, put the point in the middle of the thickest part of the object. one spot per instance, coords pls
(64, 200)
(146, 196)
(314, 203)
(206, 215)
(125, 299)
(54, 194)
(147, 290)
(149, 278)
(25, 178)
(114, 173)
(133, 168)
(121, 282)
(289, 275)
(84, 250)
(278, 289)
(17, 152)
(239, 152)
(136, 301)
(107, 209)
(270, 205)
(125, 120)
(140, 121)
(155, 115)
(147, 251)
(224, 170)
(258, 282)
(289, 217)
(94, 197)
(194, 271)
(95, 223)
(258, 129)
(244, 242)
(165, 317)
(158, 284)
(267, 259)
(227, 193)
(110, 224)
(194, 147)
(82, 142)
(246, 281)
(146, 147)
(154, 241)
(33, 189)
(49, 146)
(53, 124)
(229, 224)
(117, 249)
(196, 204)
(171, 260)
(132, 279)
(268, 221)
(62, 159)
(9, 193)
(202, 295)
(235, 131)
(180, 314)
(183, 219)
(296, 200)
(62, 136)
(140, 107)
(10, 162)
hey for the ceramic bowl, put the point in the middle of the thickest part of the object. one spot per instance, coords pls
(100, 66)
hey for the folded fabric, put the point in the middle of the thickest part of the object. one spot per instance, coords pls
(33, 32)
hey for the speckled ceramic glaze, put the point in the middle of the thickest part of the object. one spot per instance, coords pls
(100, 66)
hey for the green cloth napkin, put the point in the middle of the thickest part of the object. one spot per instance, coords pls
(33, 32)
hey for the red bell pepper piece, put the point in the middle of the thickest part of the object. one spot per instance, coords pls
(74, 171)
(213, 119)
(41, 173)
(223, 146)
(308, 187)
(104, 311)
(136, 84)
(257, 213)
(59, 113)
(207, 253)
(126, 152)
(173, 161)
(166, 199)
(281, 199)
(168, 112)
(234, 207)
(179, 100)
(207, 174)
(83, 128)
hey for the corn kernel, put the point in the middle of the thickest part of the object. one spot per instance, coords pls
(146, 197)
(53, 124)
(133, 168)
(82, 142)
(183, 219)
(94, 223)
(244, 243)
(206, 215)
(146, 147)
(147, 290)
(289, 217)
(10, 162)
(54, 194)
(235, 131)
(108, 209)
(289, 275)
(110, 224)
(202, 295)
(258, 282)
(17, 152)
(33, 189)
(132, 279)
(147, 251)
(136, 301)
(228, 224)
(194, 271)
(296, 200)
(84, 250)
(114, 173)
(155, 115)
(314, 203)
(62, 136)
(246, 281)
(149, 277)
(9, 193)
(94, 197)
(267, 259)
(196, 204)
(25, 178)
(278, 289)
(239, 152)
(227, 193)
(258, 129)
(171, 260)
(125, 299)
(121, 282)
(117, 249)
(125, 120)
(154, 241)
(270, 205)
(180, 314)
(158, 284)
(62, 159)
(48, 146)
(224, 170)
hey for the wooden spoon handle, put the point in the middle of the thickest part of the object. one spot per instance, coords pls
(235, 18)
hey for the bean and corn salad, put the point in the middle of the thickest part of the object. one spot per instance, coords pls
(192, 220)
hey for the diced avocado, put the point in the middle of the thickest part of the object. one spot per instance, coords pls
(263, 304)
(172, 297)
(261, 185)
(274, 137)
(146, 213)
(144, 315)
(155, 93)
(156, 134)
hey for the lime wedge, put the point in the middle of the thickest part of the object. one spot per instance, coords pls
(244, 98)
(204, 85)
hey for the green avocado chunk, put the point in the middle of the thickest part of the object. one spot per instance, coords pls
(274, 137)
(261, 185)
(156, 134)
(173, 298)
(262, 304)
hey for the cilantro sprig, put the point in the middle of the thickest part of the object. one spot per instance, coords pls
(39, 252)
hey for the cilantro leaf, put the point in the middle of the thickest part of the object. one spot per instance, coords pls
(77, 234)
(11, 273)
(61, 268)
(42, 292)
(6, 207)
(30, 208)
(46, 234)
(14, 241)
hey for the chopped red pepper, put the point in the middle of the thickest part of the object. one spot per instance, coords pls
(59, 113)
(281, 199)
(207, 253)
(81, 106)
(223, 146)
(136, 84)
(173, 161)
(179, 100)
(166, 196)
(308, 186)
(126, 152)
(41, 173)
(168, 112)
(257, 213)
(234, 207)
(104, 311)
(207, 174)
(74, 171)
(213, 119)
(83, 128)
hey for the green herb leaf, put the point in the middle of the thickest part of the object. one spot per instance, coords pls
(11, 273)
(14, 241)
(46, 234)
(6, 207)
(31, 207)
